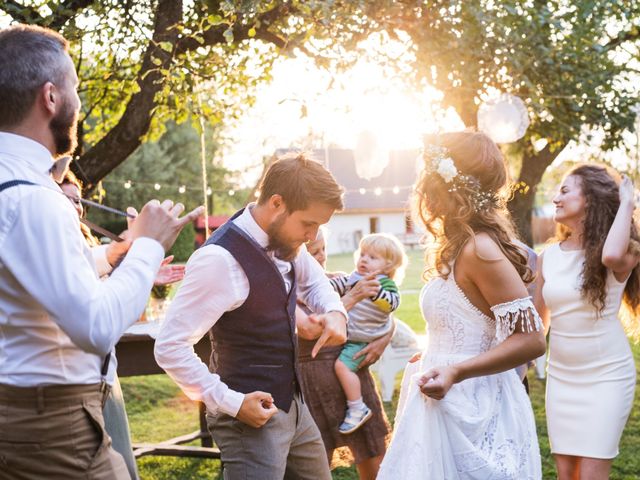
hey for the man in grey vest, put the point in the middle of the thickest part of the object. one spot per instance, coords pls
(241, 287)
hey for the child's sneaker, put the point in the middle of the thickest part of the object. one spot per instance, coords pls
(355, 419)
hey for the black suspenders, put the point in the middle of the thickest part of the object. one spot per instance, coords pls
(15, 183)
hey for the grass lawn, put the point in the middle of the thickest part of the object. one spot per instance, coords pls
(158, 410)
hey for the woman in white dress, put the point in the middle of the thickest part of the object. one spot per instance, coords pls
(583, 278)
(465, 414)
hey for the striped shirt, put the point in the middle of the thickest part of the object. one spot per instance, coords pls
(370, 318)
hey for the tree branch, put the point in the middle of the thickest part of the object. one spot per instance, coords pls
(215, 35)
(19, 12)
(63, 12)
(623, 37)
(126, 136)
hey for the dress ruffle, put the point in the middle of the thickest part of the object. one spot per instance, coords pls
(508, 315)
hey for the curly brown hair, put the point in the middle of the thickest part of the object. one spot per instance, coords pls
(453, 215)
(599, 186)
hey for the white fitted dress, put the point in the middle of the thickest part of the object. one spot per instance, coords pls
(591, 374)
(484, 427)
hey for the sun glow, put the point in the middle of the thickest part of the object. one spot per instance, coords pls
(307, 107)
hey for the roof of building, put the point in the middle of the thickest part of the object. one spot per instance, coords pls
(390, 191)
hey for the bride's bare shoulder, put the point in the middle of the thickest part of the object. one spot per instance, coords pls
(481, 248)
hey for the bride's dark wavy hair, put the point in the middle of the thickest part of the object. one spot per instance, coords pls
(453, 216)
(599, 187)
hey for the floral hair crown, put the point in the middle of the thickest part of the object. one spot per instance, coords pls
(438, 161)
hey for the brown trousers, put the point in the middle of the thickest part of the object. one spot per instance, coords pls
(56, 432)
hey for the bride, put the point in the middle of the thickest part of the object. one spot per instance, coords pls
(466, 414)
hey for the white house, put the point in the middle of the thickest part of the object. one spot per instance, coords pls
(381, 204)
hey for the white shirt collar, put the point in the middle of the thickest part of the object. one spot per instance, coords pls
(247, 223)
(26, 150)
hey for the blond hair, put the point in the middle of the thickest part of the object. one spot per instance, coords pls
(389, 248)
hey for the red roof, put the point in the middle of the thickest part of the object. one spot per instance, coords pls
(214, 221)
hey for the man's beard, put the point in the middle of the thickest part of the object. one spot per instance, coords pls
(278, 244)
(64, 130)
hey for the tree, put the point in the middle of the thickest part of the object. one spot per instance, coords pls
(567, 59)
(142, 63)
(167, 168)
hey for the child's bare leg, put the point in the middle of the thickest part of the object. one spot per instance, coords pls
(349, 381)
(357, 410)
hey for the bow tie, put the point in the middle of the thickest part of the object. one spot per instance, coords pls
(59, 168)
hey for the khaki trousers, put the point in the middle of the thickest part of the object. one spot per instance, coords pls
(288, 446)
(56, 432)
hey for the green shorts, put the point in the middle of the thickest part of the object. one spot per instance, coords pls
(347, 353)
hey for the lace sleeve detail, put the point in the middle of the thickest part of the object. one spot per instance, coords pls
(508, 314)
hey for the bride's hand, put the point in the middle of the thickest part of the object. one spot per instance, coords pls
(436, 382)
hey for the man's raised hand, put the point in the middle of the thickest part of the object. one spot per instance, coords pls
(161, 221)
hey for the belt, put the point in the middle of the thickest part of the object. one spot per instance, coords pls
(52, 395)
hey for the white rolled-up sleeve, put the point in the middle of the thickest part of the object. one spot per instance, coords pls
(208, 290)
(99, 253)
(51, 261)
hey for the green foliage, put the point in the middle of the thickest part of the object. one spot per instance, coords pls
(185, 244)
(160, 291)
(567, 71)
(208, 63)
(172, 161)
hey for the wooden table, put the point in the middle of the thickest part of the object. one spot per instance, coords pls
(135, 357)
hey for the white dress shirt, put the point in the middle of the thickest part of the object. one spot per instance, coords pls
(57, 319)
(215, 283)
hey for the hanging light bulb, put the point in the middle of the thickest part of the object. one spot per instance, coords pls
(377, 191)
(182, 189)
(232, 193)
(504, 118)
(396, 190)
(362, 191)
(127, 184)
(370, 156)
(157, 186)
(257, 194)
(209, 191)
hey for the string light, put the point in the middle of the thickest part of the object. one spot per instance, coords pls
(128, 184)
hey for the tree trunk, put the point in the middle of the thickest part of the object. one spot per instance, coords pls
(521, 205)
(125, 137)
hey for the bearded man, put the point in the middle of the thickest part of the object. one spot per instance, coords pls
(241, 287)
(58, 322)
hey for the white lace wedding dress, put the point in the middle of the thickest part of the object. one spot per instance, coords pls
(484, 427)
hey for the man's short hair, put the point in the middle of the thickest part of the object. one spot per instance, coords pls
(30, 56)
(300, 181)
